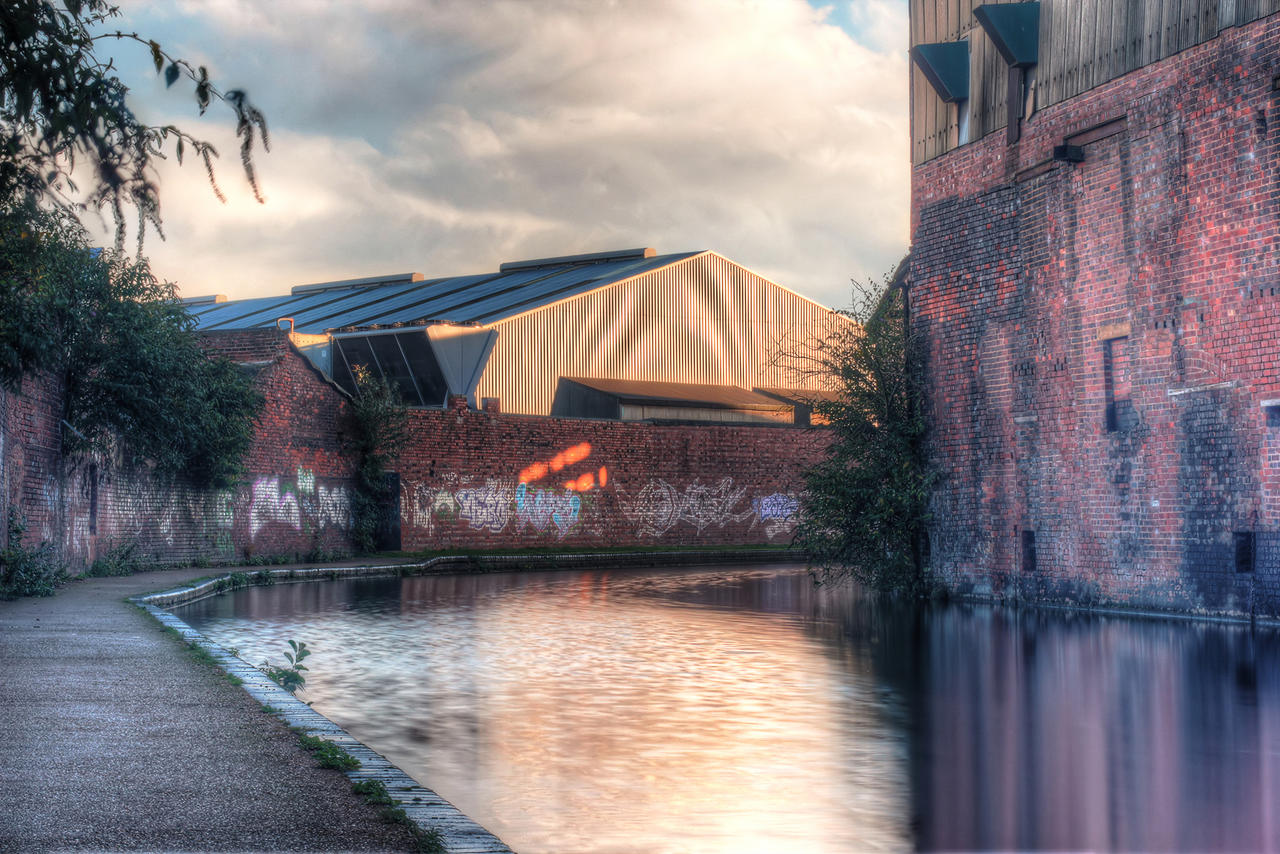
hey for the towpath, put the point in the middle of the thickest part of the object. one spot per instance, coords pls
(114, 737)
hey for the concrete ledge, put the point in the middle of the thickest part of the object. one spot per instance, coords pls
(467, 563)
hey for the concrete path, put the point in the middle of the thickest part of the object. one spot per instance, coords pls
(114, 738)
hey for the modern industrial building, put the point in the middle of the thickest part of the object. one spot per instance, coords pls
(585, 335)
(1095, 278)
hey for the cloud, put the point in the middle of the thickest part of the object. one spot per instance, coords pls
(448, 136)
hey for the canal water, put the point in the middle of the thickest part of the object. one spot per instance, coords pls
(748, 710)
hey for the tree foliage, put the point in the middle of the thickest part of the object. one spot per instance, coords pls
(64, 117)
(137, 388)
(864, 510)
(376, 431)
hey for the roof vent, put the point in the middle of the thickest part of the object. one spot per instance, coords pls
(370, 282)
(207, 299)
(570, 260)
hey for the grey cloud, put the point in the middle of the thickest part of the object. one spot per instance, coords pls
(449, 136)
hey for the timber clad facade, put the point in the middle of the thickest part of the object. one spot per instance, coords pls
(1083, 44)
(1100, 303)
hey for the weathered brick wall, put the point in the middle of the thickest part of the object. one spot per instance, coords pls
(473, 479)
(1102, 337)
(294, 500)
(467, 479)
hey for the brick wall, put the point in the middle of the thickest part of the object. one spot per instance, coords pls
(293, 500)
(474, 479)
(468, 478)
(1101, 339)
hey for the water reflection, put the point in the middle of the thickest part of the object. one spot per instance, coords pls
(747, 710)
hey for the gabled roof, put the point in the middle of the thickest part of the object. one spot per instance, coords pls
(517, 287)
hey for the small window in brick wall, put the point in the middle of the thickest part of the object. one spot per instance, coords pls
(1028, 551)
(1245, 543)
(1271, 412)
(1115, 368)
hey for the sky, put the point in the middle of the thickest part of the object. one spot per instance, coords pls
(447, 136)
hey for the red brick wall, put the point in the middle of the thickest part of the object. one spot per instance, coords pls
(293, 500)
(467, 479)
(473, 479)
(1022, 270)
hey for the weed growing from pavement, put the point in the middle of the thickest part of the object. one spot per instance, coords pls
(327, 754)
(289, 677)
(374, 792)
(120, 559)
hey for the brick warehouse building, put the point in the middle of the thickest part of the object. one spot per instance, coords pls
(1094, 278)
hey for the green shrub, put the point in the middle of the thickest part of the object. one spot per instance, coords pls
(122, 559)
(864, 508)
(28, 571)
(375, 432)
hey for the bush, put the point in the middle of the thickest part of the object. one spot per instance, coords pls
(27, 572)
(137, 388)
(375, 433)
(864, 510)
(122, 559)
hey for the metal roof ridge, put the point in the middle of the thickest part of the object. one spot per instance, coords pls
(574, 260)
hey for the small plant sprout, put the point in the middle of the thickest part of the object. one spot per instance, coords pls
(289, 677)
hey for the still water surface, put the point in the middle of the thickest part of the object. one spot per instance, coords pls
(746, 710)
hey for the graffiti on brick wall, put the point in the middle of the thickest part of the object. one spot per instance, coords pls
(541, 508)
(300, 504)
(777, 513)
(533, 501)
(151, 514)
(659, 506)
(271, 504)
(496, 504)
(487, 506)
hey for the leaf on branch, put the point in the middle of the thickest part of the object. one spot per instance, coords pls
(171, 74)
(156, 56)
(179, 151)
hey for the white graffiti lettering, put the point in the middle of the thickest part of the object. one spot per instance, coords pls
(659, 507)
(333, 507)
(269, 505)
(487, 506)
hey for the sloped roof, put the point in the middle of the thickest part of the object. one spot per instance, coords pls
(680, 394)
(806, 396)
(485, 298)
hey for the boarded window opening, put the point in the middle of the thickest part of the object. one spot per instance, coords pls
(1245, 549)
(93, 499)
(1115, 368)
(1028, 551)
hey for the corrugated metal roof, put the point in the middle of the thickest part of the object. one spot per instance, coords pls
(681, 394)
(485, 298)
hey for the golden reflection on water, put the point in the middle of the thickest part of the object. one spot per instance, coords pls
(746, 710)
(623, 712)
